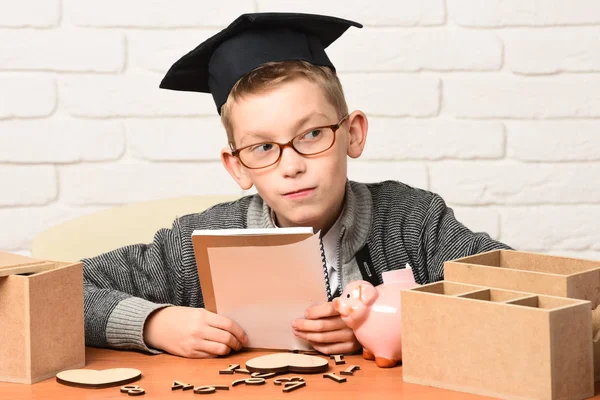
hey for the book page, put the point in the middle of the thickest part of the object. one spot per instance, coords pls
(264, 288)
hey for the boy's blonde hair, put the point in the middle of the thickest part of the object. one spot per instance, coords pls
(268, 76)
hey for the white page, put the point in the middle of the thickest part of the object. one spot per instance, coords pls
(264, 288)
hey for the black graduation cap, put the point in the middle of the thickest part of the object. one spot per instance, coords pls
(250, 41)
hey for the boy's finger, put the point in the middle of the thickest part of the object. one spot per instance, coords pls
(200, 354)
(227, 324)
(319, 325)
(342, 335)
(321, 311)
(336, 348)
(222, 336)
(213, 348)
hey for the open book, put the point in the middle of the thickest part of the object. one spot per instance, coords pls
(262, 279)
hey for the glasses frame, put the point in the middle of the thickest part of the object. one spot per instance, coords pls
(282, 146)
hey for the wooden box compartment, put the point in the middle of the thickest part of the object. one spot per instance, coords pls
(498, 343)
(42, 328)
(529, 272)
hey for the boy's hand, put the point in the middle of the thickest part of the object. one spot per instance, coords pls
(325, 330)
(192, 332)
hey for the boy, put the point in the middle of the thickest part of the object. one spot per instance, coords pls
(289, 133)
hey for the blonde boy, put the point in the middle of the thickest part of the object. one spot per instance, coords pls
(290, 133)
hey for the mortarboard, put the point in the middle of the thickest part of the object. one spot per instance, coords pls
(250, 41)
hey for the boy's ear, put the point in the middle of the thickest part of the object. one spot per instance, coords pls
(235, 169)
(357, 133)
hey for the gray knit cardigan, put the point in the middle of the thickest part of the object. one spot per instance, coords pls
(396, 224)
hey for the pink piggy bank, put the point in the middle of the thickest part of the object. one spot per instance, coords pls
(373, 313)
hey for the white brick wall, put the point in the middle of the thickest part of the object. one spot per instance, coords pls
(416, 50)
(153, 14)
(76, 50)
(155, 50)
(487, 96)
(507, 182)
(392, 94)
(108, 96)
(124, 182)
(60, 141)
(493, 104)
(27, 185)
(24, 96)
(375, 13)
(160, 139)
(29, 13)
(499, 13)
(548, 50)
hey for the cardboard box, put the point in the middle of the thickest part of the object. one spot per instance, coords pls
(496, 342)
(41, 318)
(529, 272)
(535, 273)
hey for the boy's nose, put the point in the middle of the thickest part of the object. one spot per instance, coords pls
(292, 163)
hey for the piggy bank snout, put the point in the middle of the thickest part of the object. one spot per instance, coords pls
(342, 307)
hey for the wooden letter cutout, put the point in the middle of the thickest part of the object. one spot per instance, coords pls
(249, 381)
(229, 371)
(264, 376)
(242, 371)
(238, 382)
(289, 386)
(255, 381)
(334, 377)
(180, 385)
(127, 388)
(204, 390)
(350, 370)
(339, 359)
(209, 389)
(280, 381)
(133, 390)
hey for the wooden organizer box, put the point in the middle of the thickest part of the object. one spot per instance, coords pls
(41, 314)
(529, 272)
(535, 273)
(496, 342)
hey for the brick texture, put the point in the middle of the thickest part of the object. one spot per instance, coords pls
(499, 13)
(18, 14)
(494, 105)
(62, 50)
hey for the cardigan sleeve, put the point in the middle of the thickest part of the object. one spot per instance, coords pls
(124, 286)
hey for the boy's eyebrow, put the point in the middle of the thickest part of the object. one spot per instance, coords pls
(302, 121)
(267, 138)
(258, 136)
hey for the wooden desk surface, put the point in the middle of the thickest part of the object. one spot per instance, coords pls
(158, 373)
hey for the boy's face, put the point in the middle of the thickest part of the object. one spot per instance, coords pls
(302, 190)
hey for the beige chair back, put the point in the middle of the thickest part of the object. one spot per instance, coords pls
(106, 230)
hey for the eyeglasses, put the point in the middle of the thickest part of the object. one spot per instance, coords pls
(308, 143)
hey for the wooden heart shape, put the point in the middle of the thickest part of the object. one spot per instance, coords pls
(91, 378)
(287, 362)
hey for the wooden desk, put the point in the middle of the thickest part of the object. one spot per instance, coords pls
(158, 373)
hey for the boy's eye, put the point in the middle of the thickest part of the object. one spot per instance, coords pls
(261, 148)
(312, 134)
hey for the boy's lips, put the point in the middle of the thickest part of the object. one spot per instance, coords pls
(298, 193)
